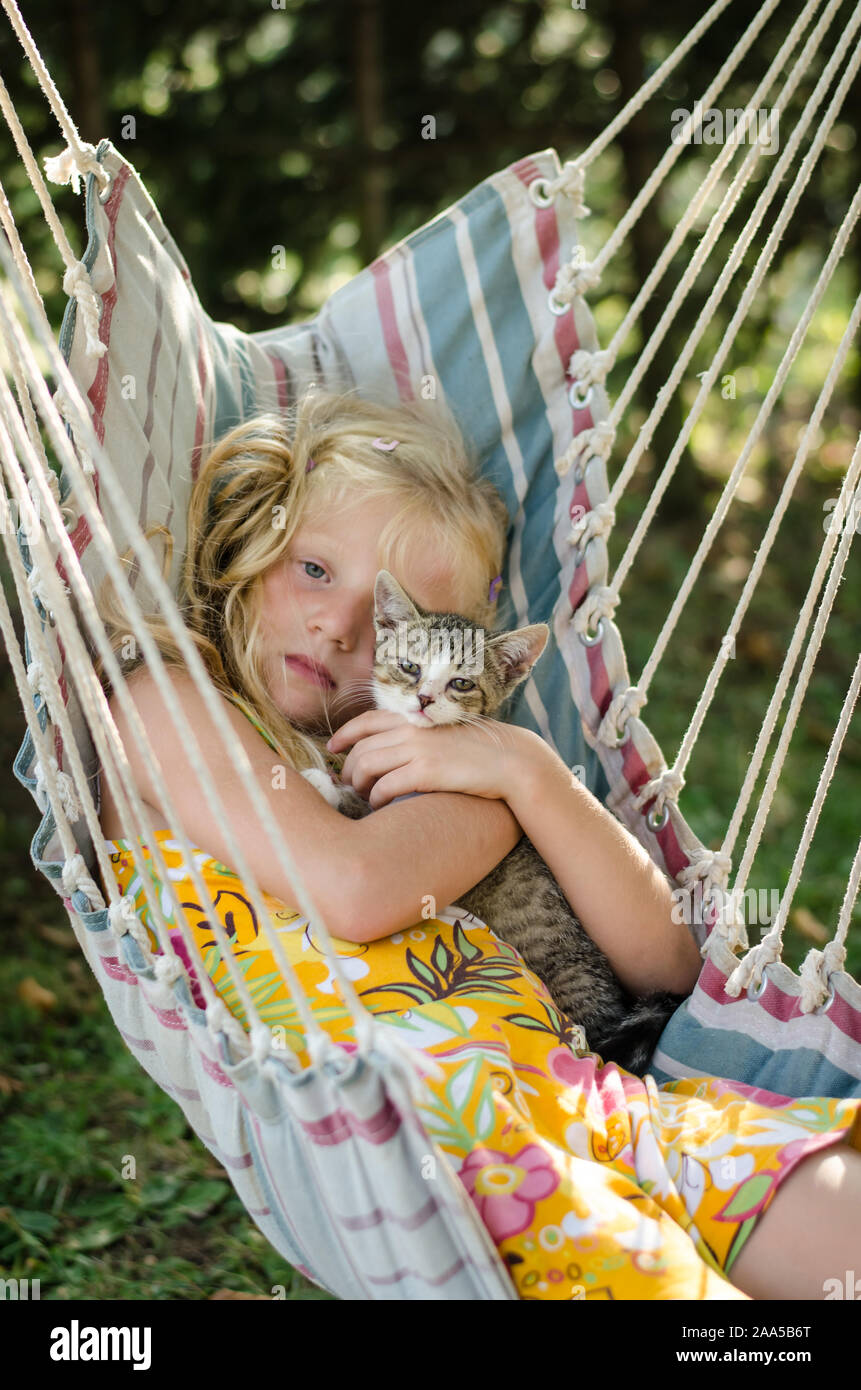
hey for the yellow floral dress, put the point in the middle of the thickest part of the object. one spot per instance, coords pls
(593, 1183)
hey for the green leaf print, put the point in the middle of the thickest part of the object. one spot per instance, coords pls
(735, 1249)
(748, 1196)
(527, 1021)
(422, 971)
(414, 992)
(442, 958)
(467, 949)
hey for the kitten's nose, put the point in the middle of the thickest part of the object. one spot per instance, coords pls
(425, 700)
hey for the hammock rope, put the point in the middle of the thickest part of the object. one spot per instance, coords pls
(84, 453)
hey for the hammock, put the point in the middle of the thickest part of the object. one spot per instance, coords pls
(146, 381)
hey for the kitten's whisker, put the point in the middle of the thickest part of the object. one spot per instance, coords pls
(489, 726)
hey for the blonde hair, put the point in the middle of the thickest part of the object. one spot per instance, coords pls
(256, 488)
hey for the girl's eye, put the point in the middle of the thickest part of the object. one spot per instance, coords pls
(462, 684)
(309, 565)
(410, 668)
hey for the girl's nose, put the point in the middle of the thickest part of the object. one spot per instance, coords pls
(346, 619)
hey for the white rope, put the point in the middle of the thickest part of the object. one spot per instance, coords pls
(76, 280)
(716, 225)
(573, 280)
(802, 177)
(750, 967)
(167, 606)
(568, 179)
(80, 157)
(786, 362)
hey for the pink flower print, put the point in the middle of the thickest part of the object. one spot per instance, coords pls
(564, 1066)
(505, 1189)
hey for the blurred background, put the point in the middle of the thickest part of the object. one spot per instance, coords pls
(301, 126)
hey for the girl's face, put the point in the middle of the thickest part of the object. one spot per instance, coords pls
(317, 620)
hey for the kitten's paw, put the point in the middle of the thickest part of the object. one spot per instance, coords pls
(324, 785)
(352, 805)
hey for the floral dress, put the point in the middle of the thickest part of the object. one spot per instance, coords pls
(593, 1183)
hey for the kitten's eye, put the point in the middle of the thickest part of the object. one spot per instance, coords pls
(312, 565)
(410, 668)
(462, 684)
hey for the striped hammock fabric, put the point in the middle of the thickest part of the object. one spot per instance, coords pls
(468, 308)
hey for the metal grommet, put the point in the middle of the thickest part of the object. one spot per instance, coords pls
(578, 476)
(538, 193)
(826, 1003)
(555, 307)
(591, 641)
(653, 822)
(759, 991)
(105, 193)
(574, 397)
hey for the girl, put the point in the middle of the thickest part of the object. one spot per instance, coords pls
(592, 1182)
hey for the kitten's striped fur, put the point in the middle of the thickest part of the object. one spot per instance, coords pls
(520, 899)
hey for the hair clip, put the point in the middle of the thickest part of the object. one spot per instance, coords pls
(309, 465)
(383, 446)
(495, 586)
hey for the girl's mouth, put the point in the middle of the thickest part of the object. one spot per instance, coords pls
(316, 675)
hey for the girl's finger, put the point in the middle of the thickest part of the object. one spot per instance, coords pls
(373, 721)
(397, 783)
(372, 764)
(373, 743)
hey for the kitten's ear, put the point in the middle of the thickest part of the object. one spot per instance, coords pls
(392, 605)
(517, 652)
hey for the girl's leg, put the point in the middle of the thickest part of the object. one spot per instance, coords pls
(809, 1233)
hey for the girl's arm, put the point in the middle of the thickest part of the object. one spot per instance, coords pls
(368, 878)
(622, 898)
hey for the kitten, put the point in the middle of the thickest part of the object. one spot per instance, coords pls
(440, 668)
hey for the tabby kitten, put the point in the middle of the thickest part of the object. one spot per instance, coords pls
(440, 668)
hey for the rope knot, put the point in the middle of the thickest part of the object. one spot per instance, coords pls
(598, 602)
(71, 165)
(666, 785)
(75, 878)
(575, 278)
(597, 522)
(815, 974)
(590, 368)
(572, 182)
(66, 794)
(597, 441)
(750, 967)
(219, 1019)
(122, 919)
(77, 285)
(622, 706)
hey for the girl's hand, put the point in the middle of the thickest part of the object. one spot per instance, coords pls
(392, 757)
